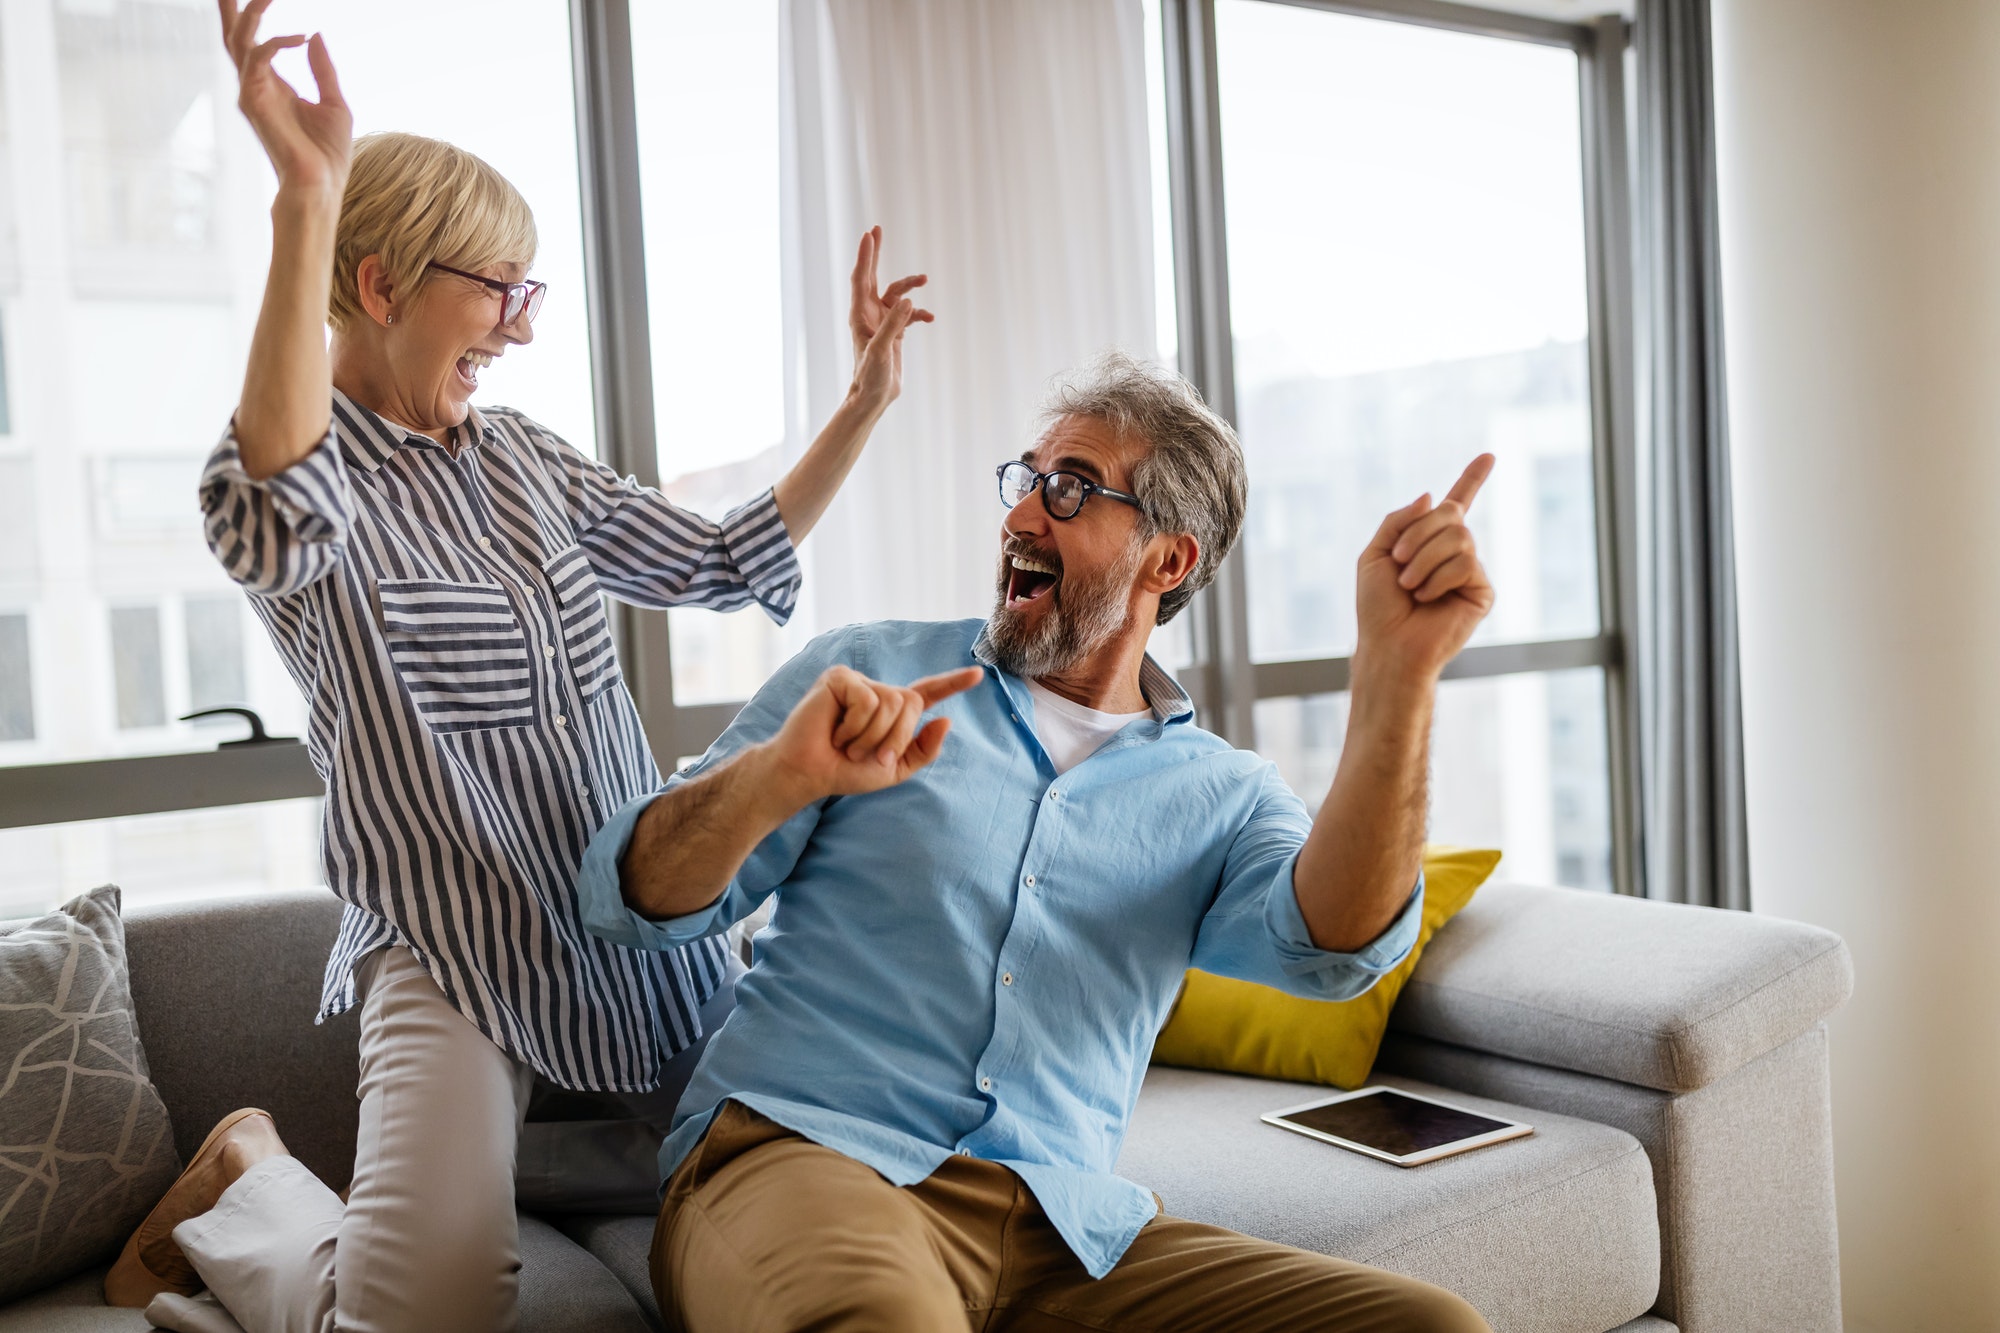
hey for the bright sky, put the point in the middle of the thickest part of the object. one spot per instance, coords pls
(1397, 195)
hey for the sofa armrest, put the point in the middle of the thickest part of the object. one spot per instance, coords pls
(1658, 994)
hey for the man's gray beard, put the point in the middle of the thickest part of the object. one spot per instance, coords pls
(1084, 616)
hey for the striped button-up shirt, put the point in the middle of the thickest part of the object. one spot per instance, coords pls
(442, 610)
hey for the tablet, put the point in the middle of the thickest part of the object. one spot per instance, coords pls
(1396, 1126)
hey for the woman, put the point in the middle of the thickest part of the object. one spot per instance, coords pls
(431, 574)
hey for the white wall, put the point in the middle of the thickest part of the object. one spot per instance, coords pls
(1860, 163)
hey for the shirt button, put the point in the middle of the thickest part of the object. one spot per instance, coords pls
(986, 1085)
(1006, 978)
(965, 1152)
(582, 790)
(561, 721)
(1030, 880)
(486, 542)
(548, 650)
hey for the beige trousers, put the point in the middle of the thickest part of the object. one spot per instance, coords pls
(764, 1231)
(428, 1239)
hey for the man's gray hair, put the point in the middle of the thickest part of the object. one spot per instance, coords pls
(1191, 479)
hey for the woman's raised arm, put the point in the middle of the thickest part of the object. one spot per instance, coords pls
(288, 386)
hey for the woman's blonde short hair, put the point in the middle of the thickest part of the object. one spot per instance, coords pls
(412, 200)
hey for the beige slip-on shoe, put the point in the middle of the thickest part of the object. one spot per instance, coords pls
(151, 1263)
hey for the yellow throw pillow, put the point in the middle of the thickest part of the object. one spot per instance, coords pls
(1244, 1028)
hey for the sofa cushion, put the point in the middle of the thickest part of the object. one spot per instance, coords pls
(1239, 1027)
(563, 1290)
(624, 1245)
(72, 1306)
(228, 990)
(85, 1144)
(1554, 1233)
(1658, 994)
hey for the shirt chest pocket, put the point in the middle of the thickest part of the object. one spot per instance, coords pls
(460, 651)
(586, 630)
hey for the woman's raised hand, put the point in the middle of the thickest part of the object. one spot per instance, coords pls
(309, 143)
(878, 320)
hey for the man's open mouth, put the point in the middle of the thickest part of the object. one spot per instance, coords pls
(1028, 579)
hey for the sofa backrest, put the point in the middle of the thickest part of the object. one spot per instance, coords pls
(225, 992)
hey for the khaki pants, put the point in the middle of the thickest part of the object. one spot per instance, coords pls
(764, 1230)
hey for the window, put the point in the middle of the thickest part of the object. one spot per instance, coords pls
(142, 187)
(136, 667)
(711, 207)
(182, 855)
(1408, 285)
(17, 681)
(215, 652)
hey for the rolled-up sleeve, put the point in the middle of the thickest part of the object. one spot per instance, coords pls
(604, 911)
(1255, 930)
(277, 535)
(603, 901)
(647, 550)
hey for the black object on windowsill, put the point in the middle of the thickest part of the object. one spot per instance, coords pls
(257, 735)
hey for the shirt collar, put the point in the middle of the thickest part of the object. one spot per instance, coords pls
(369, 439)
(1163, 694)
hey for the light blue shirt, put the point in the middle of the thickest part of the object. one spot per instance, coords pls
(977, 960)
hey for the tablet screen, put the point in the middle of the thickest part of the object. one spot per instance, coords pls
(1392, 1123)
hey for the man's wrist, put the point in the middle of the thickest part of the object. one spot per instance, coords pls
(777, 790)
(1385, 679)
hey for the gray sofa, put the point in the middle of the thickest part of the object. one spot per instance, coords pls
(1672, 1060)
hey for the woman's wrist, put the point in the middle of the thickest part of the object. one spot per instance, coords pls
(862, 408)
(308, 204)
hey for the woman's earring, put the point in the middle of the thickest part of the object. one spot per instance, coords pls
(390, 319)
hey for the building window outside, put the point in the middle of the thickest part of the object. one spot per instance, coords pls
(136, 667)
(17, 680)
(136, 178)
(214, 632)
(1407, 289)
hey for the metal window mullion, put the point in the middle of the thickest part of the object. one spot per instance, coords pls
(1329, 675)
(1608, 256)
(1201, 283)
(155, 784)
(621, 348)
(1459, 18)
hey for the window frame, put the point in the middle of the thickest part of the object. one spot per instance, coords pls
(1225, 683)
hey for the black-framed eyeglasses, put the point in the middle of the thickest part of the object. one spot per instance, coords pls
(1063, 493)
(516, 298)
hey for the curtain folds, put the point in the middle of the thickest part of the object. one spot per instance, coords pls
(1001, 145)
(1694, 823)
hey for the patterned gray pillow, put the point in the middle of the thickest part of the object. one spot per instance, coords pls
(85, 1146)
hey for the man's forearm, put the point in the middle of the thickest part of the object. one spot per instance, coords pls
(692, 840)
(1366, 847)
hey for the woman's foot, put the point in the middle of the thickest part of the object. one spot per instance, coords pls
(151, 1262)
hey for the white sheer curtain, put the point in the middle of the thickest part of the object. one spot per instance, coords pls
(1001, 145)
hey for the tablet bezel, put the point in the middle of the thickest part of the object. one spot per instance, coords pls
(1509, 1129)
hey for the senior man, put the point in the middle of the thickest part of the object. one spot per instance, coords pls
(910, 1120)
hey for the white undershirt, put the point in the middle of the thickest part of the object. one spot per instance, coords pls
(1070, 732)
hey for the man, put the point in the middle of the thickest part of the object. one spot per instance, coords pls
(910, 1119)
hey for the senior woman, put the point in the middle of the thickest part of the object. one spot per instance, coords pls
(431, 573)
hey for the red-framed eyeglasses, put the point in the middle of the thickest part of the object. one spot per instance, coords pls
(516, 298)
